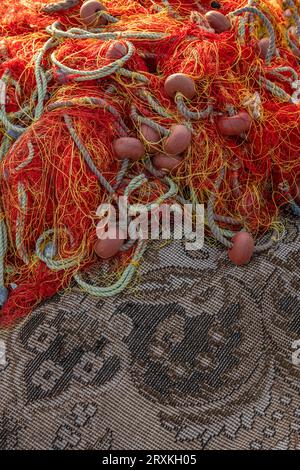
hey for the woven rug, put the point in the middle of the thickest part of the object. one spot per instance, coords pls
(198, 354)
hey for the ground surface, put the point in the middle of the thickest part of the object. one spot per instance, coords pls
(199, 356)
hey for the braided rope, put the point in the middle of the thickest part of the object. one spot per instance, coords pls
(109, 18)
(128, 273)
(50, 250)
(46, 255)
(149, 166)
(42, 83)
(242, 28)
(183, 109)
(284, 69)
(91, 101)
(123, 129)
(170, 9)
(20, 223)
(41, 77)
(281, 77)
(123, 132)
(267, 245)
(9, 126)
(86, 155)
(5, 146)
(173, 189)
(226, 220)
(139, 180)
(122, 282)
(128, 245)
(134, 184)
(98, 73)
(24, 112)
(3, 250)
(121, 174)
(272, 46)
(274, 89)
(155, 105)
(219, 233)
(143, 120)
(215, 229)
(291, 4)
(78, 33)
(292, 45)
(133, 75)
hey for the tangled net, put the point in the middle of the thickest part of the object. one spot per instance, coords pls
(171, 100)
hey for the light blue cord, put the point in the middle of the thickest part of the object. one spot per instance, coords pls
(79, 33)
(91, 101)
(295, 208)
(183, 109)
(20, 222)
(28, 159)
(9, 126)
(149, 122)
(5, 146)
(41, 77)
(274, 89)
(122, 282)
(3, 250)
(83, 75)
(88, 159)
(46, 254)
(272, 46)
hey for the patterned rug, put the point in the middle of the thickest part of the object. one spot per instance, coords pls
(197, 355)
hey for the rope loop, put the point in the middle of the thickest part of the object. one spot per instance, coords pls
(255, 11)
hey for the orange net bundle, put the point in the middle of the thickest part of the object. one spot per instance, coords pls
(158, 101)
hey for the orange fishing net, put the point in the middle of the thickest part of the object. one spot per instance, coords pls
(171, 100)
